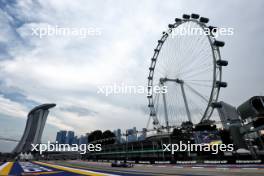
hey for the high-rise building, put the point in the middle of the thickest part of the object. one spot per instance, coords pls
(70, 137)
(58, 136)
(34, 128)
(87, 135)
(75, 140)
(143, 135)
(132, 135)
(118, 135)
(83, 139)
(61, 137)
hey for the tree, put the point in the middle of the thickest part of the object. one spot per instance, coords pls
(110, 136)
(95, 135)
(187, 125)
(177, 134)
(206, 125)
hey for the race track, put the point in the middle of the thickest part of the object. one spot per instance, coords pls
(77, 167)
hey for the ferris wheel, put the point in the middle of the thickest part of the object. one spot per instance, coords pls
(188, 65)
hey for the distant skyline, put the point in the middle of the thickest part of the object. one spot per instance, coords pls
(68, 70)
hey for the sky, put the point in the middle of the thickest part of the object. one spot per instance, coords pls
(68, 70)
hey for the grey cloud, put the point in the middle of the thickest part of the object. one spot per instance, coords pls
(79, 110)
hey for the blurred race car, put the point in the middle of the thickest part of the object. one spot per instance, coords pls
(121, 164)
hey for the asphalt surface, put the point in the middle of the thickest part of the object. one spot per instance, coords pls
(186, 170)
(74, 168)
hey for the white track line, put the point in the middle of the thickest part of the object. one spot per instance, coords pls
(4, 165)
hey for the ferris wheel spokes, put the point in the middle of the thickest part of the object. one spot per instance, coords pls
(191, 67)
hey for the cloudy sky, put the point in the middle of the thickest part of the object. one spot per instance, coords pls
(68, 70)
